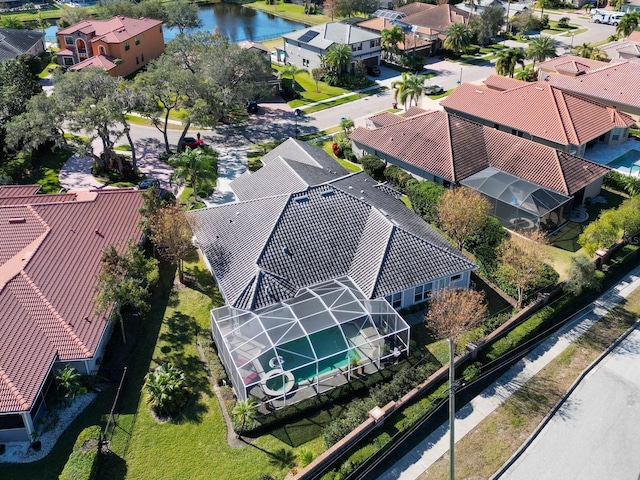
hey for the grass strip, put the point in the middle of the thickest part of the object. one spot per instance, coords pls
(485, 449)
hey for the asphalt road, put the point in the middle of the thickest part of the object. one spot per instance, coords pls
(594, 435)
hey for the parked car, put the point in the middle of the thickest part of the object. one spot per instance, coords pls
(148, 183)
(373, 71)
(189, 142)
(252, 106)
(433, 89)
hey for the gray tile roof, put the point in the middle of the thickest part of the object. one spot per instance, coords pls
(263, 251)
(303, 152)
(14, 42)
(330, 33)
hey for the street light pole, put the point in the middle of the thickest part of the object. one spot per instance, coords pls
(460, 80)
(452, 411)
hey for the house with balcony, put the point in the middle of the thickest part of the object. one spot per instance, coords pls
(540, 112)
(303, 48)
(120, 45)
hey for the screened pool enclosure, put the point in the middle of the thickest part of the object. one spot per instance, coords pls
(309, 344)
(518, 204)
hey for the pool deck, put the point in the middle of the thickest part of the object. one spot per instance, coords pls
(604, 154)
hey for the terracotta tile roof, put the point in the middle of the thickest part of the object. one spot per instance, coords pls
(33, 199)
(439, 17)
(415, 7)
(571, 64)
(615, 82)
(454, 148)
(99, 61)
(538, 109)
(49, 259)
(411, 40)
(115, 30)
(18, 190)
(384, 118)
(622, 50)
(498, 82)
(634, 37)
(412, 111)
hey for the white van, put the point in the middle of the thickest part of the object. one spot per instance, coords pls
(604, 16)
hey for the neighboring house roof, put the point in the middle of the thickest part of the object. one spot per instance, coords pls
(384, 118)
(98, 61)
(437, 17)
(453, 148)
(263, 251)
(571, 65)
(115, 30)
(539, 109)
(622, 50)
(498, 82)
(634, 37)
(249, 45)
(49, 261)
(615, 82)
(410, 39)
(16, 42)
(325, 35)
(303, 152)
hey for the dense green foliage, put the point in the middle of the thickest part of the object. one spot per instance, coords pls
(380, 395)
(425, 197)
(622, 183)
(83, 461)
(165, 389)
(373, 166)
(611, 225)
(397, 177)
(484, 244)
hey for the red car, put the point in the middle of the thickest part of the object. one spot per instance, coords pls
(191, 143)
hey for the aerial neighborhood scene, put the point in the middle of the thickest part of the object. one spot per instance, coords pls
(333, 240)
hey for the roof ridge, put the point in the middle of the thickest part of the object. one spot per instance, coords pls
(561, 103)
(384, 254)
(450, 148)
(13, 389)
(56, 315)
(563, 177)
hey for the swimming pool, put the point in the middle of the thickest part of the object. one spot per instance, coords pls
(628, 163)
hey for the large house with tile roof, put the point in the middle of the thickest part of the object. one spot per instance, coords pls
(529, 185)
(312, 265)
(50, 247)
(304, 48)
(120, 45)
(419, 40)
(622, 50)
(540, 112)
(613, 84)
(16, 42)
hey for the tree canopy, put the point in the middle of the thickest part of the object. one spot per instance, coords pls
(409, 88)
(458, 38)
(461, 212)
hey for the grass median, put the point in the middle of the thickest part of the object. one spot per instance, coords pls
(487, 447)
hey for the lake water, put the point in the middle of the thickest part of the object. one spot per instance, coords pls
(234, 21)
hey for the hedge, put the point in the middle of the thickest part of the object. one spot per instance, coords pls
(83, 461)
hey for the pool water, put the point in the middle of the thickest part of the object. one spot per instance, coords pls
(628, 163)
(328, 345)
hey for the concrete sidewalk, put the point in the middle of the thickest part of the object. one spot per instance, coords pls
(416, 462)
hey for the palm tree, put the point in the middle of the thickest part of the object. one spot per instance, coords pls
(70, 382)
(338, 57)
(409, 88)
(458, 38)
(165, 389)
(390, 38)
(346, 124)
(291, 71)
(541, 48)
(544, 4)
(628, 23)
(243, 412)
(507, 61)
(195, 166)
(10, 21)
(587, 50)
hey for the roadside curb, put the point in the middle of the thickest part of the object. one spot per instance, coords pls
(509, 463)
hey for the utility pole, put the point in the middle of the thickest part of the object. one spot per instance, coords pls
(452, 410)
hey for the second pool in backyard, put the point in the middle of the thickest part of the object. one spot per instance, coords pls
(628, 163)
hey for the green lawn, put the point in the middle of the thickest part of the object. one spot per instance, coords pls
(306, 87)
(45, 171)
(290, 11)
(350, 166)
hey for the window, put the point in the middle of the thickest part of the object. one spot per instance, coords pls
(137, 61)
(360, 46)
(372, 43)
(457, 277)
(142, 57)
(126, 46)
(395, 300)
(68, 61)
(422, 292)
(137, 41)
(68, 40)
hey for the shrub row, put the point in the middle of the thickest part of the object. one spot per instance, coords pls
(379, 395)
(83, 461)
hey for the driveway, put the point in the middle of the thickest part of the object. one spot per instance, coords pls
(594, 435)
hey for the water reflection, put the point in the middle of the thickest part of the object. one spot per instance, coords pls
(234, 21)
